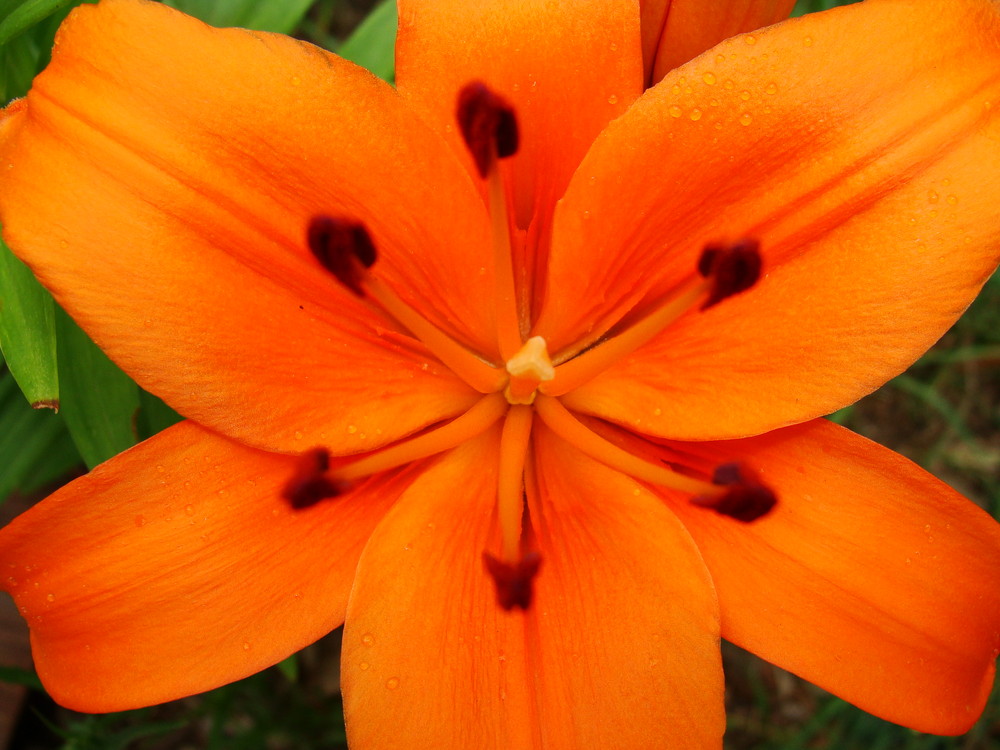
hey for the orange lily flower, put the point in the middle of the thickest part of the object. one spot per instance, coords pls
(598, 362)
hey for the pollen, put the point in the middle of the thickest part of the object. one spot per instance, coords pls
(528, 369)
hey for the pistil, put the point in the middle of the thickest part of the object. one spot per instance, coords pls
(528, 369)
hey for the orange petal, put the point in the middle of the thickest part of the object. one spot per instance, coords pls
(176, 567)
(618, 650)
(568, 68)
(160, 179)
(675, 31)
(870, 578)
(868, 173)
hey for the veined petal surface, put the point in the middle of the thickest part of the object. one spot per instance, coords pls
(866, 165)
(623, 610)
(159, 179)
(176, 567)
(870, 578)
(568, 68)
(675, 31)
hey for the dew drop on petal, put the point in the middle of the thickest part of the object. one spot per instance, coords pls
(772, 88)
(392, 683)
(50, 597)
(807, 42)
(709, 78)
(932, 196)
(246, 645)
(695, 114)
(952, 200)
(368, 639)
(745, 95)
(612, 99)
(746, 118)
(189, 510)
(364, 666)
(675, 111)
(750, 39)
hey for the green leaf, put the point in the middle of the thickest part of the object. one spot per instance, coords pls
(99, 401)
(154, 415)
(26, 15)
(27, 332)
(373, 43)
(281, 16)
(34, 445)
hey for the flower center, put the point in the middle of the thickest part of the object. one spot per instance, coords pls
(530, 382)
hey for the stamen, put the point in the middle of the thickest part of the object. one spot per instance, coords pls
(514, 581)
(344, 248)
(470, 424)
(580, 369)
(510, 493)
(488, 125)
(744, 498)
(310, 484)
(730, 268)
(724, 270)
(528, 368)
(562, 422)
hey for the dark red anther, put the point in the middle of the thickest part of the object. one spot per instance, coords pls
(745, 498)
(514, 582)
(310, 484)
(488, 124)
(343, 247)
(731, 268)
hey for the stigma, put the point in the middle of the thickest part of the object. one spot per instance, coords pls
(528, 369)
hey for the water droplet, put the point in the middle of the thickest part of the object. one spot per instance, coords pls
(11, 581)
(187, 485)
(298, 435)
(675, 111)
(140, 521)
(772, 88)
(296, 81)
(746, 118)
(189, 509)
(745, 95)
(160, 469)
(50, 597)
(364, 666)
(351, 429)
(368, 639)
(714, 103)
(932, 196)
(585, 215)
(750, 39)
(709, 78)
(695, 114)
(612, 99)
(952, 200)
(614, 46)
(246, 645)
(676, 89)
(657, 411)
(688, 90)
(516, 87)
(807, 42)
(637, 492)
(392, 683)
(728, 84)
(720, 59)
